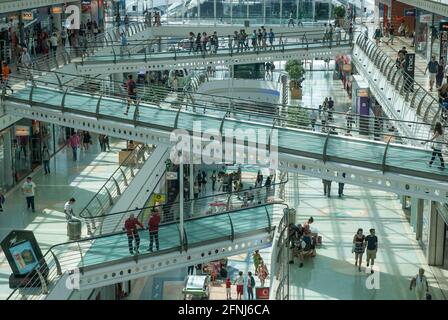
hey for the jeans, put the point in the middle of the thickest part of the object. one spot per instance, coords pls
(47, 166)
(137, 242)
(75, 152)
(30, 202)
(153, 235)
(437, 152)
(250, 293)
(340, 189)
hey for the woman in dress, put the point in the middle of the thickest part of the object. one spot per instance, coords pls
(358, 247)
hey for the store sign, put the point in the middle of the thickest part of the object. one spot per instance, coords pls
(262, 293)
(56, 10)
(27, 16)
(362, 92)
(425, 18)
(171, 176)
(409, 12)
(22, 131)
(409, 68)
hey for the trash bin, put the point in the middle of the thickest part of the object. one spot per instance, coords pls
(74, 229)
(246, 23)
(291, 215)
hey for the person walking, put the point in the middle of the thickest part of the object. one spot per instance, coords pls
(257, 260)
(327, 187)
(54, 43)
(86, 140)
(271, 37)
(106, 142)
(262, 273)
(101, 141)
(250, 286)
(440, 73)
(358, 247)
(377, 36)
(196, 190)
(291, 19)
(153, 225)
(46, 159)
(372, 247)
(2, 200)
(432, 66)
(437, 145)
(341, 186)
(26, 58)
(420, 283)
(74, 144)
(28, 189)
(130, 225)
(6, 71)
(239, 285)
(68, 210)
(131, 87)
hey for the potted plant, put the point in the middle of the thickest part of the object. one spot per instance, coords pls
(295, 71)
(339, 14)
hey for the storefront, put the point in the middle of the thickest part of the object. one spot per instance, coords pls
(21, 149)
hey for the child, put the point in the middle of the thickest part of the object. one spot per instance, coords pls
(228, 287)
(2, 201)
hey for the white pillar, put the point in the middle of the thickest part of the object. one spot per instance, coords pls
(191, 179)
(264, 12)
(181, 198)
(214, 11)
(231, 12)
(183, 11)
(297, 12)
(281, 12)
(199, 11)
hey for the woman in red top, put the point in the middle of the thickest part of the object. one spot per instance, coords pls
(228, 289)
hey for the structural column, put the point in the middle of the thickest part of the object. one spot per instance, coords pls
(417, 216)
(181, 198)
(435, 249)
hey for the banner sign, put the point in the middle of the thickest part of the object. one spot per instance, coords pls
(409, 68)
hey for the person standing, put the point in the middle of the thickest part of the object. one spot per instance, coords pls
(271, 37)
(74, 144)
(420, 282)
(153, 225)
(250, 286)
(68, 210)
(54, 43)
(26, 58)
(228, 289)
(101, 141)
(196, 190)
(213, 178)
(46, 159)
(372, 247)
(432, 66)
(341, 186)
(313, 119)
(239, 285)
(28, 189)
(263, 273)
(358, 247)
(106, 142)
(6, 71)
(437, 145)
(86, 140)
(291, 19)
(377, 36)
(130, 225)
(440, 73)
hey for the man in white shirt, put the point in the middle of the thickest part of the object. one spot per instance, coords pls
(68, 210)
(28, 190)
(54, 43)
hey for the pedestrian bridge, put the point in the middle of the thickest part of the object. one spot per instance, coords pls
(294, 45)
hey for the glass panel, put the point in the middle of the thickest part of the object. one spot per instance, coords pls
(272, 12)
(322, 11)
(306, 10)
(255, 11)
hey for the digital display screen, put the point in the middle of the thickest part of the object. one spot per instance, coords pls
(24, 257)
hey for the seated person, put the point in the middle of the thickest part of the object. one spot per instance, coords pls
(307, 249)
(307, 228)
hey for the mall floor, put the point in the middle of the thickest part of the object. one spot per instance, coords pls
(81, 180)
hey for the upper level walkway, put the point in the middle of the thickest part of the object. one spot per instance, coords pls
(154, 125)
(294, 45)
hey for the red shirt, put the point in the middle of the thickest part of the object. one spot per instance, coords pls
(131, 226)
(228, 283)
(154, 222)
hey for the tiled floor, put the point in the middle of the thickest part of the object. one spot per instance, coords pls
(81, 180)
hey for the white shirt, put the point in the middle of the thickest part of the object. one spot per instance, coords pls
(420, 282)
(54, 41)
(68, 210)
(28, 188)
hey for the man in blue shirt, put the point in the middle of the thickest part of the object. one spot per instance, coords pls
(271, 39)
(432, 66)
(372, 246)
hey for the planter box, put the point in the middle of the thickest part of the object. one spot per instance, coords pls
(296, 93)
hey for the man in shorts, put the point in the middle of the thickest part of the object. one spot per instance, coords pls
(372, 246)
(432, 66)
(131, 87)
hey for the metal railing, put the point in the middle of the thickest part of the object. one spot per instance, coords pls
(283, 257)
(112, 189)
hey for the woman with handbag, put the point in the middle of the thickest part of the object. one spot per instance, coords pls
(358, 247)
(437, 145)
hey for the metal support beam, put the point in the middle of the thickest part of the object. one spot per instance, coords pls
(383, 164)
(324, 153)
(98, 104)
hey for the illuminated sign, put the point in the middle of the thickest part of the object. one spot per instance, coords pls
(56, 10)
(362, 92)
(27, 16)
